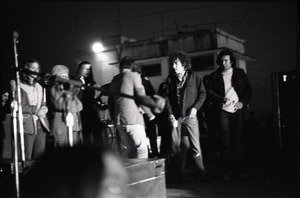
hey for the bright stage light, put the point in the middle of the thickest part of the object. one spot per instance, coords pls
(97, 47)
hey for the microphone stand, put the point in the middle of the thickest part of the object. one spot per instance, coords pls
(17, 119)
(14, 106)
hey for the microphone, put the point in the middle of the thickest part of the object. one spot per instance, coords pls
(13, 88)
(15, 37)
(15, 34)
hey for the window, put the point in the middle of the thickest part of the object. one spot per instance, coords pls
(202, 63)
(151, 70)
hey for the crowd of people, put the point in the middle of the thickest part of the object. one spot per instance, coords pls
(65, 111)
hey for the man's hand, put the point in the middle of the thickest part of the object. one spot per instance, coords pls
(156, 103)
(193, 113)
(238, 105)
(42, 111)
(97, 90)
(173, 120)
(160, 103)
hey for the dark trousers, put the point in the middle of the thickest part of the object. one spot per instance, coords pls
(91, 133)
(231, 137)
(166, 141)
(165, 131)
(151, 131)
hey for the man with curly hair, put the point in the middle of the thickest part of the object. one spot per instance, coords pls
(186, 95)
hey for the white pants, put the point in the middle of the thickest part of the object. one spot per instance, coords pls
(133, 141)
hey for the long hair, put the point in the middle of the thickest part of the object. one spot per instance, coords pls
(25, 71)
(183, 58)
(89, 79)
(226, 52)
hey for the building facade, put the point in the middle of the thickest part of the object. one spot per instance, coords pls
(152, 54)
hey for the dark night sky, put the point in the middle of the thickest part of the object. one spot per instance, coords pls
(52, 32)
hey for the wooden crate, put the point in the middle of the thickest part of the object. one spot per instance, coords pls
(146, 178)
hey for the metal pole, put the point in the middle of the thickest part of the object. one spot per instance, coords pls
(20, 113)
(15, 146)
(17, 122)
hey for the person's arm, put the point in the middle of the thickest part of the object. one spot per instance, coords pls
(210, 89)
(140, 90)
(200, 97)
(110, 103)
(148, 86)
(245, 90)
(56, 98)
(245, 99)
(215, 97)
(165, 91)
(42, 111)
(76, 105)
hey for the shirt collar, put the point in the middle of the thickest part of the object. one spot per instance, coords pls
(126, 70)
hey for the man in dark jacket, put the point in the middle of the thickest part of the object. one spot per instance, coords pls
(186, 95)
(229, 92)
(91, 127)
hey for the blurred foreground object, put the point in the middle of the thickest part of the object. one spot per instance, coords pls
(77, 172)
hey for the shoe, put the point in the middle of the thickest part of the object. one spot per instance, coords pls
(198, 166)
(226, 177)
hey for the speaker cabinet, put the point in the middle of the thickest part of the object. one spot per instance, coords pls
(146, 177)
(286, 103)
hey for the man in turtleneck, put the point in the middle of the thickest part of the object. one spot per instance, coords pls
(229, 92)
(232, 99)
